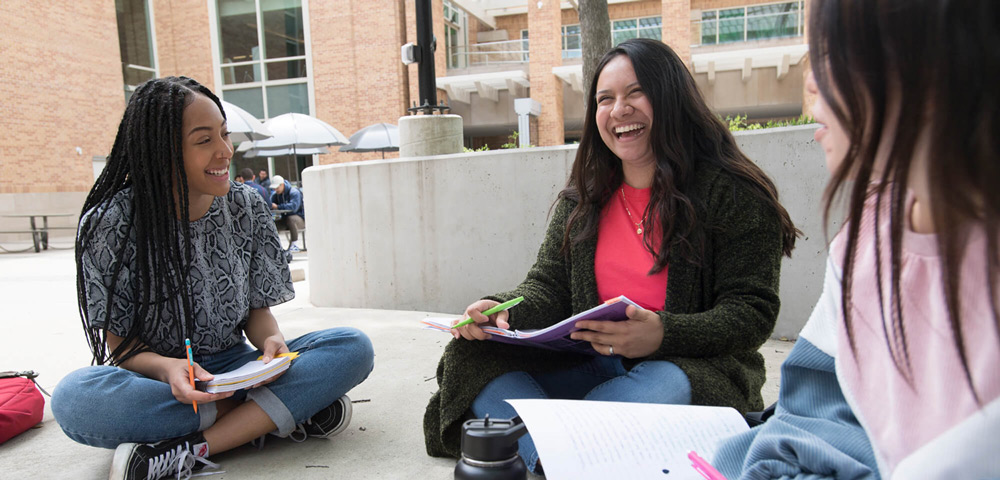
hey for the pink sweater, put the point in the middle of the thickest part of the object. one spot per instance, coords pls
(913, 425)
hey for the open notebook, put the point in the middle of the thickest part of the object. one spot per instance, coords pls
(555, 337)
(250, 374)
(589, 440)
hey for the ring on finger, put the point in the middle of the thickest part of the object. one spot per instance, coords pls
(611, 349)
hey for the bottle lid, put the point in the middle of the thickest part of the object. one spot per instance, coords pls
(490, 440)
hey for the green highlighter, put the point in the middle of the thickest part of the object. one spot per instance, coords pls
(499, 308)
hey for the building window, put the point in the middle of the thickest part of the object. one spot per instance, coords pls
(135, 40)
(571, 46)
(756, 22)
(649, 27)
(262, 56)
(524, 45)
(454, 35)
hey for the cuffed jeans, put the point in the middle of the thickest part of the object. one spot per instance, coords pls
(104, 406)
(603, 379)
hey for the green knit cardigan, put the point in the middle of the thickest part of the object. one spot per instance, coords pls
(717, 314)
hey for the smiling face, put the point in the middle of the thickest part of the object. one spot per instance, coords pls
(831, 135)
(624, 114)
(207, 151)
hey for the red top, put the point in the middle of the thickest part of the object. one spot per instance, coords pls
(622, 262)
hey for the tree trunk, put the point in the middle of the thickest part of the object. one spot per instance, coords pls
(595, 36)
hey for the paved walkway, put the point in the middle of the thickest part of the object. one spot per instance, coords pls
(42, 332)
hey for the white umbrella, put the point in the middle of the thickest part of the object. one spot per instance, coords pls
(381, 137)
(242, 125)
(297, 131)
(277, 152)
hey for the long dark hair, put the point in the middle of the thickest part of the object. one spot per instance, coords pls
(147, 156)
(903, 73)
(684, 133)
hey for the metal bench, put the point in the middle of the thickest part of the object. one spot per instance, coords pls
(34, 238)
(39, 234)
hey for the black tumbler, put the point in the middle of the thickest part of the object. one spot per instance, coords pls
(489, 450)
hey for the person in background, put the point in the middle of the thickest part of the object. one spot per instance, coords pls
(287, 197)
(263, 179)
(170, 249)
(895, 375)
(248, 177)
(239, 178)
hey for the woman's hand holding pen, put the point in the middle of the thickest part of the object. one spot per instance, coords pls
(180, 384)
(639, 336)
(475, 312)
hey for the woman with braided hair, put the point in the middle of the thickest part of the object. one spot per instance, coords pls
(169, 249)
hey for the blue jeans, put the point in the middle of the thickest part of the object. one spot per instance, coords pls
(603, 379)
(104, 406)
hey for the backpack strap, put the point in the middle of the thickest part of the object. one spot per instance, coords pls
(29, 374)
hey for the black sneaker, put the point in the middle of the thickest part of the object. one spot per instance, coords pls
(328, 422)
(331, 420)
(178, 457)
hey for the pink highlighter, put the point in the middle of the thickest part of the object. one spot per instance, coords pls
(704, 468)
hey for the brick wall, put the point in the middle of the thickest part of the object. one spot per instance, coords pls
(677, 27)
(358, 78)
(61, 88)
(648, 8)
(570, 16)
(545, 52)
(182, 39)
(513, 24)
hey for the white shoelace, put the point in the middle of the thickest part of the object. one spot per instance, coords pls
(298, 435)
(179, 460)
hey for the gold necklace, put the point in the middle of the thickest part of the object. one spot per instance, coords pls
(638, 225)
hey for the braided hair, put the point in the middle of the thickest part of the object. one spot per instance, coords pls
(147, 156)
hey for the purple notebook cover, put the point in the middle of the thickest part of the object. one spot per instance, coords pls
(556, 337)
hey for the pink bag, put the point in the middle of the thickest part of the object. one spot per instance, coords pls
(21, 404)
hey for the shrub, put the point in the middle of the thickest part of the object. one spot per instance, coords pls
(739, 123)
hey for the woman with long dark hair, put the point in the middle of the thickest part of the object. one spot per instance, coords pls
(663, 207)
(170, 249)
(896, 373)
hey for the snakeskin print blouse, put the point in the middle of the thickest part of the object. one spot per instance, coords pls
(238, 265)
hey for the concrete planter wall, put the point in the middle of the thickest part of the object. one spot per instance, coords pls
(436, 233)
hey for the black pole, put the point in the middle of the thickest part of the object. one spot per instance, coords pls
(425, 73)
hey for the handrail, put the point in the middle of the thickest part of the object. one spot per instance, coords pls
(489, 53)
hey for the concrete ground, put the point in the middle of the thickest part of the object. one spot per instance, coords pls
(41, 331)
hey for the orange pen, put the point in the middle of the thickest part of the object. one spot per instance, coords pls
(187, 344)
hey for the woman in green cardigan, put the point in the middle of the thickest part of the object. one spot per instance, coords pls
(659, 189)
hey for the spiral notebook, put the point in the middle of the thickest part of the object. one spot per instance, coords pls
(248, 375)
